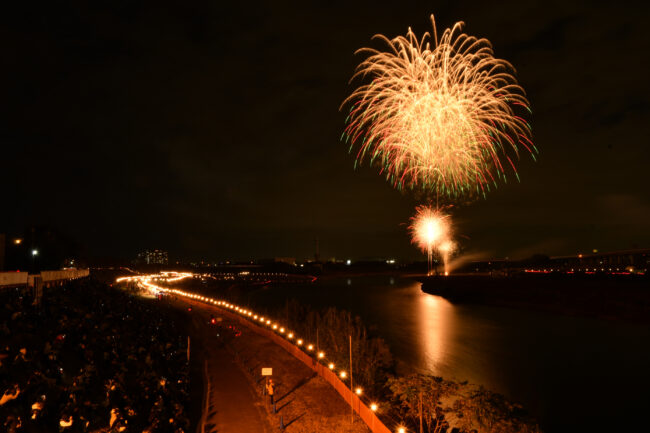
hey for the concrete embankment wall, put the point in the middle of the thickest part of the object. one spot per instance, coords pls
(13, 279)
(367, 415)
(17, 279)
(68, 274)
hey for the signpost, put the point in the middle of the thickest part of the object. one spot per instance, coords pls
(266, 371)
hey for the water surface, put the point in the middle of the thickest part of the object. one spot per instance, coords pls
(573, 373)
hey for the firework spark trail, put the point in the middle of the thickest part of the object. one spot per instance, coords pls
(441, 118)
(446, 249)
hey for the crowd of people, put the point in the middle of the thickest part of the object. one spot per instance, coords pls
(90, 358)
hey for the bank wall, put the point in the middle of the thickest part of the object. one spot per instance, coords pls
(17, 279)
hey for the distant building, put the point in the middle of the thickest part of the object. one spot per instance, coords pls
(153, 257)
(287, 260)
(69, 263)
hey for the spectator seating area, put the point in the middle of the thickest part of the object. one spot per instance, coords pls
(91, 358)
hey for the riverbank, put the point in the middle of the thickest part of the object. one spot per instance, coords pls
(564, 369)
(612, 297)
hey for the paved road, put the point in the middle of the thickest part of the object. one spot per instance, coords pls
(232, 405)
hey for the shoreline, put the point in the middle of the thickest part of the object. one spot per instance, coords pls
(622, 298)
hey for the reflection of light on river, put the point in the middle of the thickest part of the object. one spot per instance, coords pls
(435, 317)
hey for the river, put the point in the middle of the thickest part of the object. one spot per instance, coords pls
(572, 373)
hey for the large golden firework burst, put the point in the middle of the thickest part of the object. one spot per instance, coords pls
(442, 119)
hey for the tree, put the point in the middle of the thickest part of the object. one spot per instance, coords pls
(425, 397)
(495, 414)
(444, 404)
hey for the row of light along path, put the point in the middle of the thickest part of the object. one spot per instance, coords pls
(146, 282)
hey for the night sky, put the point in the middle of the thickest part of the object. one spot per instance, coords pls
(212, 129)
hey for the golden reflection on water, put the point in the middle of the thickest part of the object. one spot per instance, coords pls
(435, 322)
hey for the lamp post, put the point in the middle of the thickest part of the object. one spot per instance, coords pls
(34, 254)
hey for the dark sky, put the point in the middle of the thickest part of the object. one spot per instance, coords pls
(212, 128)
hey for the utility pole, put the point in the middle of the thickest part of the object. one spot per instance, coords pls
(421, 428)
(351, 386)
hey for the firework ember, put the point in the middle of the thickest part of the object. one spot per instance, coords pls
(441, 116)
